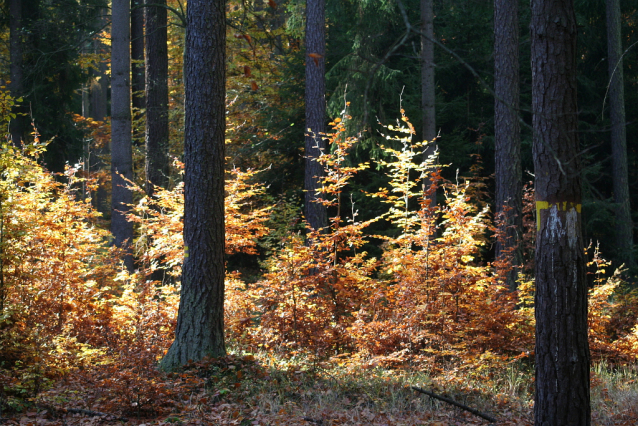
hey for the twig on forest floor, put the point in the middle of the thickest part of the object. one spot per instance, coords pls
(95, 414)
(457, 404)
(311, 420)
(81, 411)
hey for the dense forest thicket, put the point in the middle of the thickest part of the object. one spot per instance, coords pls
(289, 212)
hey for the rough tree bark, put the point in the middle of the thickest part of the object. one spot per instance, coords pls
(624, 224)
(428, 96)
(200, 322)
(507, 153)
(316, 214)
(121, 153)
(156, 97)
(15, 53)
(562, 351)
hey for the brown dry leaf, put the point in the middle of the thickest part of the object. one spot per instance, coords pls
(254, 86)
(272, 4)
(315, 57)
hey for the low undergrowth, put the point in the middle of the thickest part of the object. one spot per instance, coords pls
(263, 389)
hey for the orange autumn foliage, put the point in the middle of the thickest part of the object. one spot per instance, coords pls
(160, 220)
(429, 298)
(57, 270)
(306, 299)
(68, 309)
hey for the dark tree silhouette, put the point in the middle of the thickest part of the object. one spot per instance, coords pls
(16, 127)
(121, 152)
(156, 97)
(137, 54)
(624, 224)
(316, 214)
(428, 84)
(507, 153)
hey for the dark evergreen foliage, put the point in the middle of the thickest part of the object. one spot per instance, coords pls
(53, 34)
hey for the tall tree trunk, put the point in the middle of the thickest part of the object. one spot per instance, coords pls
(562, 350)
(200, 322)
(624, 224)
(121, 153)
(137, 55)
(507, 153)
(98, 91)
(98, 110)
(316, 214)
(428, 83)
(16, 128)
(156, 139)
(156, 97)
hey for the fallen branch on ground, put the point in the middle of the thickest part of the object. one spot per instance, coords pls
(458, 404)
(81, 411)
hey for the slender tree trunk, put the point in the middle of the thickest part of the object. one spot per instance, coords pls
(200, 323)
(99, 83)
(137, 55)
(562, 350)
(316, 214)
(121, 153)
(98, 110)
(428, 84)
(156, 140)
(16, 128)
(509, 185)
(98, 91)
(624, 224)
(156, 98)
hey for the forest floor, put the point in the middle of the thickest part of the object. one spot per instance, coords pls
(262, 389)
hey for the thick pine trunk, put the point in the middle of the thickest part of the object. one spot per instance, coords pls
(121, 153)
(507, 153)
(624, 224)
(562, 350)
(137, 54)
(316, 214)
(156, 97)
(200, 323)
(428, 84)
(16, 127)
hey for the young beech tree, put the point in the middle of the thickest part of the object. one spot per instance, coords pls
(200, 321)
(562, 350)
